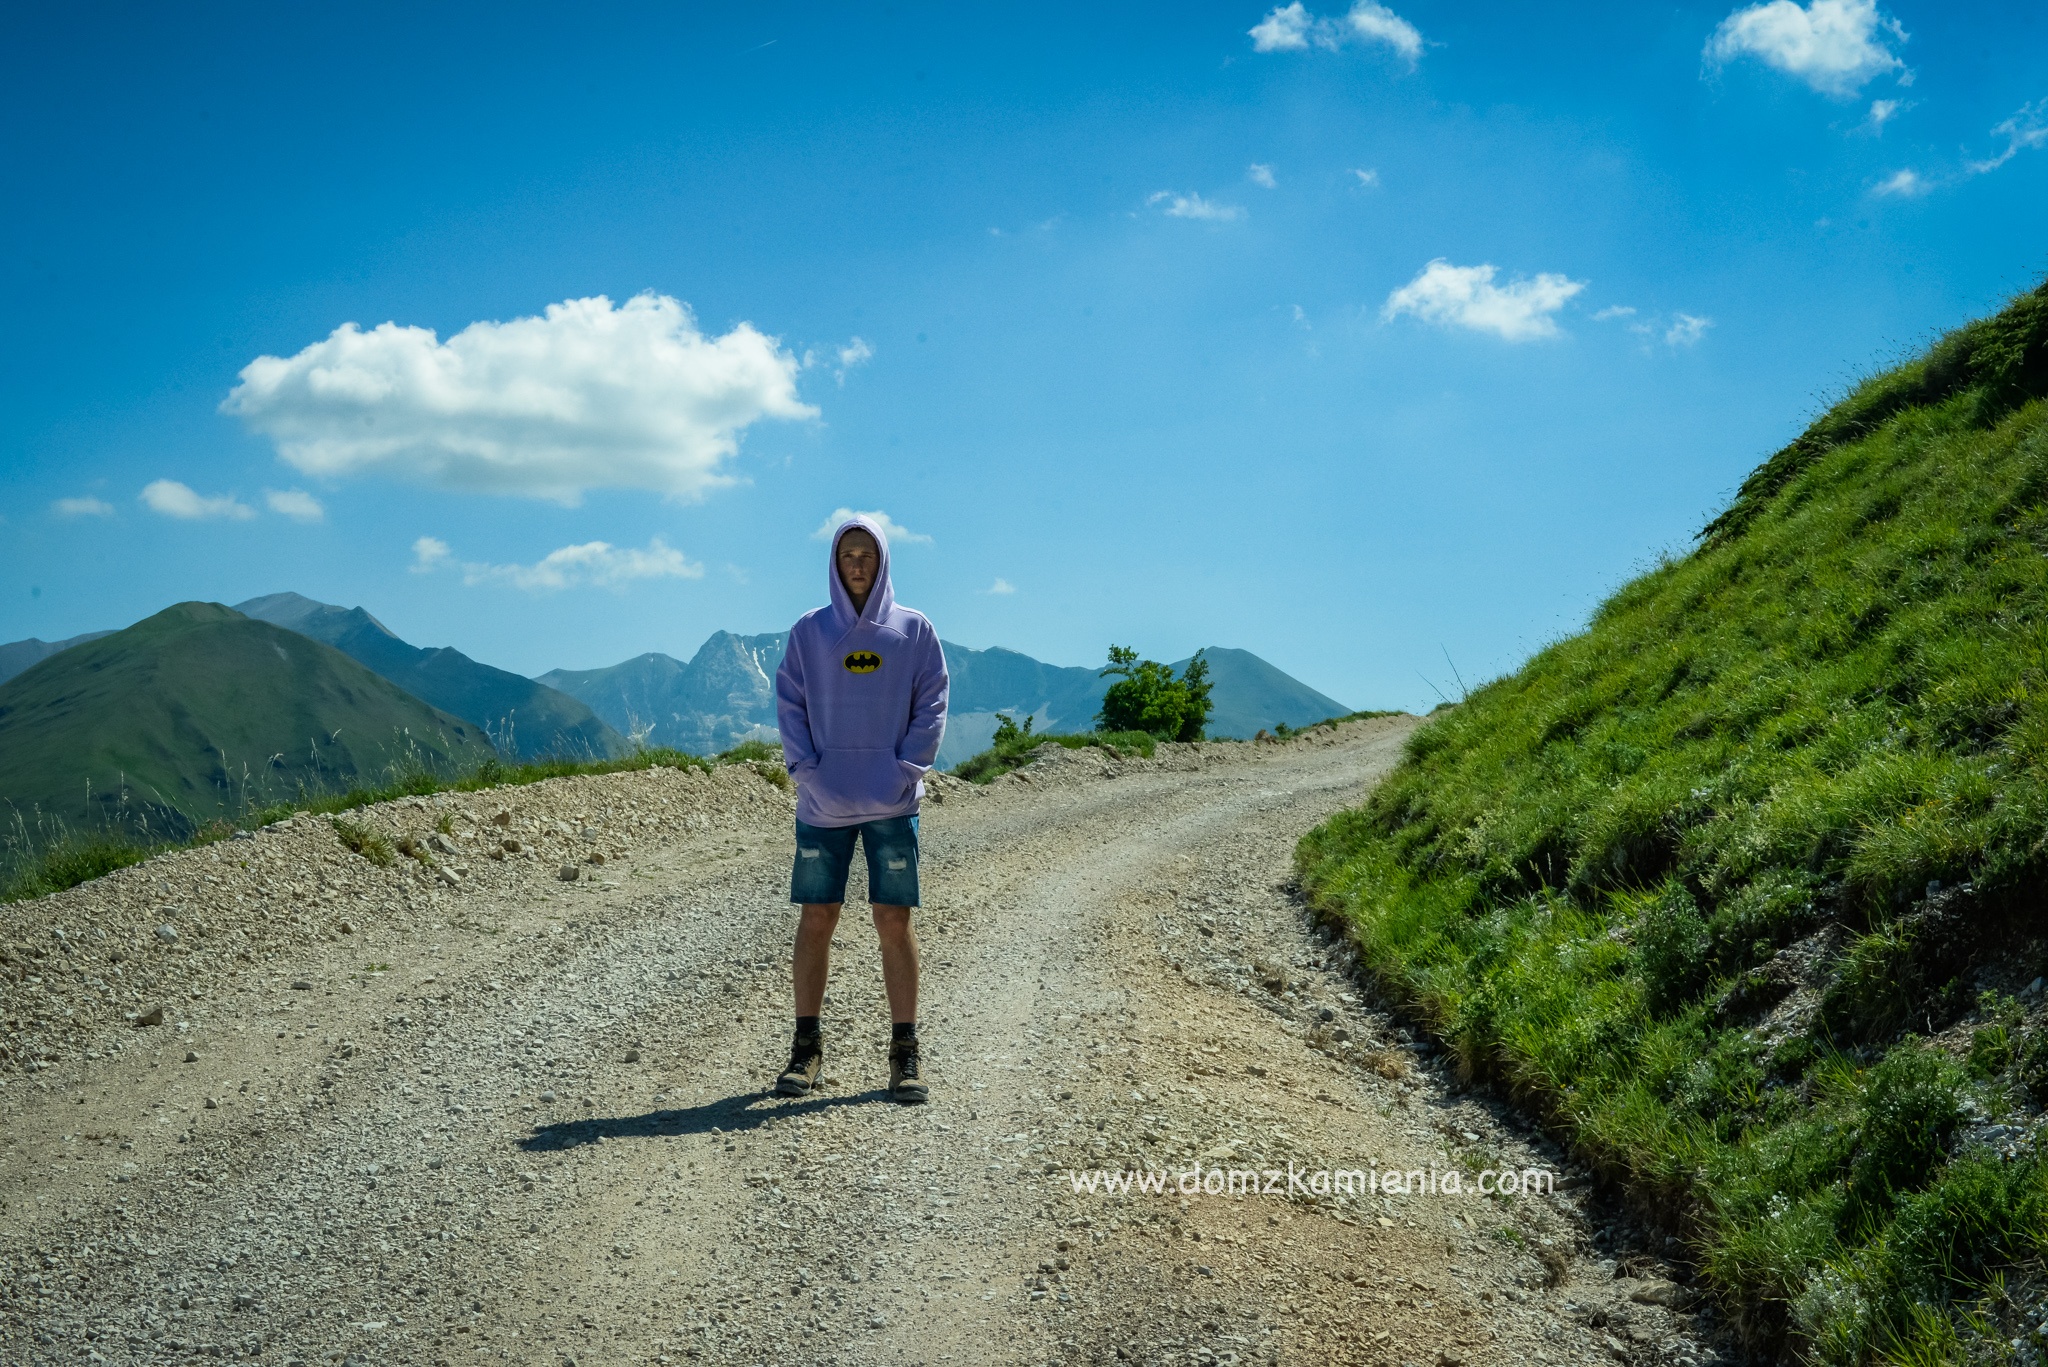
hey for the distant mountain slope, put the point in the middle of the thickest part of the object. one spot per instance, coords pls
(726, 693)
(1249, 696)
(519, 715)
(16, 656)
(200, 712)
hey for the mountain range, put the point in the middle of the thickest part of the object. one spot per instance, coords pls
(200, 713)
(166, 730)
(726, 694)
(520, 716)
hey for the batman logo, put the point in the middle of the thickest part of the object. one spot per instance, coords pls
(862, 662)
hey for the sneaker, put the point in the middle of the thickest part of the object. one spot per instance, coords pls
(806, 1057)
(906, 1083)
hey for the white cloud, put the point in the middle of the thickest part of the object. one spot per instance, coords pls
(1615, 311)
(587, 396)
(855, 352)
(1291, 28)
(1260, 174)
(891, 528)
(173, 499)
(1465, 296)
(1286, 29)
(597, 564)
(82, 507)
(1368, 179)
(1378, 24)
(2024, 131)
(1835, 46)
(1686, 329)
(1906, 184)
(1882, 112)
(296, 504)
(1001, 587)
(1192, 205)
(429, 553)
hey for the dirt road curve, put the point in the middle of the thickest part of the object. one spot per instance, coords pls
(512, 1118)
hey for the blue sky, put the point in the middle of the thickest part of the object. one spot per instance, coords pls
(1364, 338)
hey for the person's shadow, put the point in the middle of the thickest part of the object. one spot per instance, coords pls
(742, 1111)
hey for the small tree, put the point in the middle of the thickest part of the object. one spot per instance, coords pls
(1147, 697)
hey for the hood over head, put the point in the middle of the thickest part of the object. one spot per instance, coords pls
(881, 598)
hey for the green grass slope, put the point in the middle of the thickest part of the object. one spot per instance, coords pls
(200, 713)
(1742, 888)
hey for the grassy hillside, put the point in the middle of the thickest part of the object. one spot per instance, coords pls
(521, 717)
(1743, 887)
(200, 713)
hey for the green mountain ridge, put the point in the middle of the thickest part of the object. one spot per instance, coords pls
(521, 717)
(1742, 888)
(200, 713)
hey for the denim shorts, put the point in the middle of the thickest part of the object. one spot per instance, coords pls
(825, 853)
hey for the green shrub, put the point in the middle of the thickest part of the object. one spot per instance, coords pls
(1672, 946)
(1148, 697)
(1014, 747)
(363, 841)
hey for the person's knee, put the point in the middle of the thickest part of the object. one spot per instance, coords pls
(892, 923)
(818, 918)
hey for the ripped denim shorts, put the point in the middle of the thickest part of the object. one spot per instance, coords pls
(825, 853)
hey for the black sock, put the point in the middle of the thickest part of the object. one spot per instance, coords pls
(808, 1027)
(905, 1030)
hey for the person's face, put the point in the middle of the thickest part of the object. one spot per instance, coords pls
(860, 560)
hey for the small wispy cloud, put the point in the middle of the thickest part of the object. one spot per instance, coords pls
(429, 553)
(1905, 184)
(891, 528)
(172, 499)
(1192, 205)
(1615, 311)
(296, 504)
(1260, 174)
(82, 507)
(1883, 112)
(844, 358)
(1001, 587)
(1292, 28)
(1465, 296)
(2025, 131)
(1835, 46)
(1368, 178)
(594, 564)
(1686, 329)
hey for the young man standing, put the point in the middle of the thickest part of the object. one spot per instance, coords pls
(861, 701)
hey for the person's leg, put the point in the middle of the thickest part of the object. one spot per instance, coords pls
(817, 884)
(899, 961)
(813, 957)
(892, 887)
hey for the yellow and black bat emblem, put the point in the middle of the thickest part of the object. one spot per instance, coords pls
(862, 662)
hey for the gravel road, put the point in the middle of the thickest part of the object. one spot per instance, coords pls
(462, 1110)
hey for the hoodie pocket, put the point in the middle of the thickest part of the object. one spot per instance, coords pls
(851, 783)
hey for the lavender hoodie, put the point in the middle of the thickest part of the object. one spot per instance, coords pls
(861, 700)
